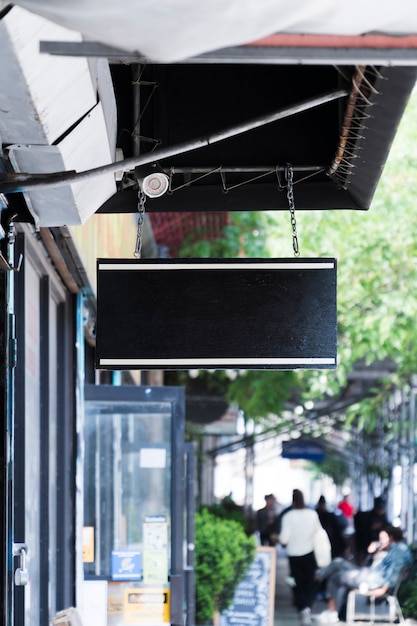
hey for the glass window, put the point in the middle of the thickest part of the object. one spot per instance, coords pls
(127, 482)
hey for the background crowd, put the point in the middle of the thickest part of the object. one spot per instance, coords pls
(358, 550)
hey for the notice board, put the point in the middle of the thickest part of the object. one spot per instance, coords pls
(253, 602)
(216, 314)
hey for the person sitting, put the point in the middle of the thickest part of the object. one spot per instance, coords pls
(377, 550)
(341, 576)
(367, 526)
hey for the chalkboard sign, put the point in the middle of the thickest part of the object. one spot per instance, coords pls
(253, 603)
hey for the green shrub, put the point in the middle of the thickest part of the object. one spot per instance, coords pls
(223, 555)
(407, 596)
(228, 509)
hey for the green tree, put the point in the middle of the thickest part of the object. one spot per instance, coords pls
(246, 234)
(377, 265)
(377, 270)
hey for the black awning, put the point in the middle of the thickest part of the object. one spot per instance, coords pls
(337, 149)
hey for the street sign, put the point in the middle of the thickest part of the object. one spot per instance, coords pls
(216, 314)
(303, 449)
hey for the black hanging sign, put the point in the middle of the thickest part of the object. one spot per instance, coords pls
(216, 314)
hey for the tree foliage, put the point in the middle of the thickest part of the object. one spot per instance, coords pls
(263, 393)
(377, 264)
(377, 270)
(244, 235)
(333, 466)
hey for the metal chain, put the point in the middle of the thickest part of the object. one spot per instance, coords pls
(291, 204)
(141, 218)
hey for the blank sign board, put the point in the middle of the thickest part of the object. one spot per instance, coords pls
(216, 314)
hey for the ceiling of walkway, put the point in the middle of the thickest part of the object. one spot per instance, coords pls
(337, 143)
(224, 131)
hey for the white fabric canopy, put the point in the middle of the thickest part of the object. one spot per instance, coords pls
(172, 30)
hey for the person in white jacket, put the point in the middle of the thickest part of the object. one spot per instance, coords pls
(299, 526)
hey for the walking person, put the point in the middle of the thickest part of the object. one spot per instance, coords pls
(332, 527)
(346, 508)
(298, 529)
(267, 521)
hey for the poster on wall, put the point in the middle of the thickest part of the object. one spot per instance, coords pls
(126, 565)
(88, 544)
(155, 549)
(147, 606)
(138, 604)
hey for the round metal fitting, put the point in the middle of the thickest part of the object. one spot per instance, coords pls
(155, 184)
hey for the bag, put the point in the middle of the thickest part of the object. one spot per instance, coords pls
(322, 548)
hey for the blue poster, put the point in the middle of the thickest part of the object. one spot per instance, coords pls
(126, 565)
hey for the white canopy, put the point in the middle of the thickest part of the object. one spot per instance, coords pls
(172, 30)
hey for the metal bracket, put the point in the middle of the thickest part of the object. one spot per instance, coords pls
(21, 576)
(4, 263)
(18, 547)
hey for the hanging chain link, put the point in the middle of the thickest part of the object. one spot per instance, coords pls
(291, 204)
(141, 218)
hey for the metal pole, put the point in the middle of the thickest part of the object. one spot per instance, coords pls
(190, 534)
(7, 392)
(17, 182)
(243, 169)
(411, 522)
(405, 462)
